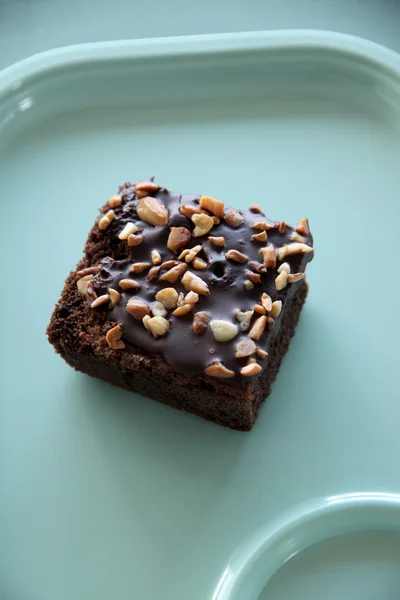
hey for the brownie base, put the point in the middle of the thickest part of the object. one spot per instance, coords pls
(78, 336)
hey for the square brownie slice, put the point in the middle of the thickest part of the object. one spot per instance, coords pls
(184, 300)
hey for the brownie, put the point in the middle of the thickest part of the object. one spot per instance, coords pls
(184, 300)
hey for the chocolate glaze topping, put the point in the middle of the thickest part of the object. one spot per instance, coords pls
(185, 351)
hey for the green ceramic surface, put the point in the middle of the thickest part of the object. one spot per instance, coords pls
(105, 494)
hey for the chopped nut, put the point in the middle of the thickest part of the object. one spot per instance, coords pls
(182, 310)
(293, 277)
(217, 241)
(296, 237)
(281, 281)
(261, 353)
(178, 238)
(113, 338)
(181, 299)
(192, 282)
(139, 267)
(152, 211)
(236, 256)
(114, 201)
(168, 297)
(190, 253)
(254, 208)
(281, 226)
(203, 224)
(254, 277)
(155, 257)
(189, 211)
(201, 320)
(259, 309)
(251, 360)
(158, 326)
(260, 237)
(147, 186)
(127, 231)
(217, 369)
(145, 321)
(199, 263)
(216, 220)
(158, 309)
(245, 347)
(90, 291)
(223, 331)
(262, 225)
(269, 256)
(258, 327)
(276, 308)
(106, 219)
(248, 285)
(294, 248)
(135, 240)
(100, 301)
(191, 298)
(153, 273)
(244, 318)
(257, 267)
(270, 323)
(284, 267)
(115, 296)
(266, 302)
(250, 369)
(129, 284)
(233, 218)
(214, 206)
(303, 227)
(168, 264)
(137, 308)
(173, 274)
(88, 271)
(82, 283)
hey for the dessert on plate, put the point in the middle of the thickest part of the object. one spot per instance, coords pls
(185, 300)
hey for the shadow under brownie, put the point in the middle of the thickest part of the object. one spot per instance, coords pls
(184, 300)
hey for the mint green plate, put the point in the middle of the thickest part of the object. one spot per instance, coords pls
(105, 495)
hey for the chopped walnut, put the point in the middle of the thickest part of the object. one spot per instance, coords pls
(188, 211)
(135, 240)
(115, 296)
(153, 273)
(129, 284)
(182, 310)
(257, 267)
(266, 302)
(193, 283)
(168, 297)
(82, 283)
(296, 237)
(105, 220)
(262, 225)
(236, 256)
(293, 277)
(223, 331)
(244, 318)
(303, 227)
(254, 277)
(217, 369)
(100, 301)
(284, 267)
(201, 320)
(127, 231)
(178, 238)
(203, 224)
(214, 206)
(199, 264)
(152, 211)
(114, 201)
(293, 248)
(248, 285)
(158, 326)
(139, 267)
(281, 281)
(258, 328)
(218, 241)
(173, 274)
(276, 308)
(250, 369)
(260, 237)
(245, 347)
(269, 256)
(158, 309)
(156, 257)
(233, 218)
(137, 308)
(113, 338)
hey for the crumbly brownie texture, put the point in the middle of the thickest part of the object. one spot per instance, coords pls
(185, 300)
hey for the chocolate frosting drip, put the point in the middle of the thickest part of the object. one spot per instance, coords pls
(183, 350)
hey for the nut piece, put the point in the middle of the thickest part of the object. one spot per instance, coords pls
(260, 237)
(129, 284)
(137, 308)
(281, 226)
(113, 338)
(248, 285)
(276, 308)
(216, 220)
(191, 298)
(82, 283)
(233, 218)
(244, 318)
(88, 271)
(158, 326)
(168, 297)
(292, 278)
(127, 231)
(214, 206)
(254, 277)
(284, 267)
(260, 310)
(266, 302)
(217, 369)
(245, 347)
(147, 186)
(193, 283)
(135, 240)
(261, 353)
(139, 267)
(190, 253)
(203, 224)
(217, 241)
(294, 248)
(270, 323)
(168, 264)
(223, 331)
(153, 273)
(178, 238)
(303, 227)
(258, 328)
(182, 310)
(90, 292)
(255, 208)
(262, 225)
(173, 274)
(257, 267)
(251, 369)
(100, 301)
(114, 201)
(155, 257)
(199, 263)
(152, 211)
(115, 296)
(281, 281)
(296, 237)
(189, 211)
(236, 256)
(269, 256)
(201, 320)
(106, 219)
(158, 310)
